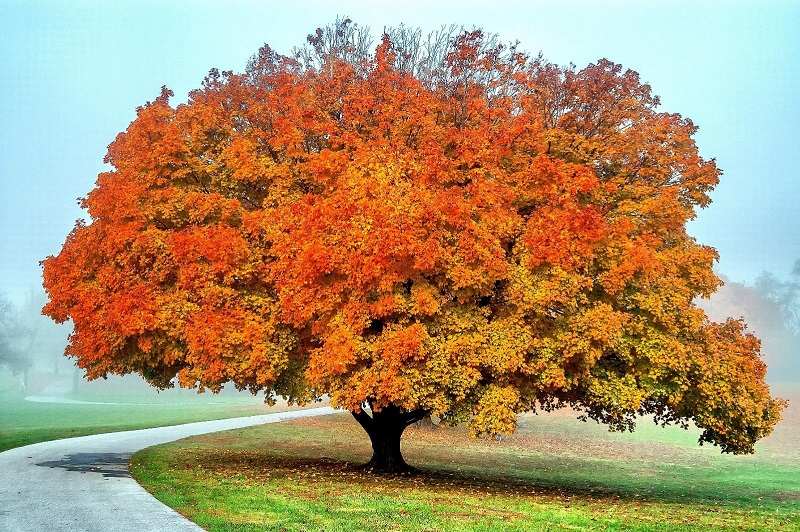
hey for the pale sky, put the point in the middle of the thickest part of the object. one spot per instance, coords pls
(72, 74)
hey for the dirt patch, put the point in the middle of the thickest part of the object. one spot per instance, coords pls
(787, 496)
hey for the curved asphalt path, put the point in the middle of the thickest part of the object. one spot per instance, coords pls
(83, 484)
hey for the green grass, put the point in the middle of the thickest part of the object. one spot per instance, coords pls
(24, 422)
(556, 473)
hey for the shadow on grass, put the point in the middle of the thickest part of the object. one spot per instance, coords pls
(263, 466)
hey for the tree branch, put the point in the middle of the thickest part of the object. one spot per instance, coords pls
(409, 418)
(363, 419)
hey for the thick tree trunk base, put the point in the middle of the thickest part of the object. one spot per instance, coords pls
(385, 428)
(392, 469)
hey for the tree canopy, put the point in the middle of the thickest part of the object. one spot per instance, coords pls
(445, 226)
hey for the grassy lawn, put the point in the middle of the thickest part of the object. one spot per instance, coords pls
(556, 473)
(24, 422)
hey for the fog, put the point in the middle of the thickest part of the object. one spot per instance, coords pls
(72, 75)
(32, 363)
(769, 307)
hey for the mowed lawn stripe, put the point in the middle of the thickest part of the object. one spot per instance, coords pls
(554, 474)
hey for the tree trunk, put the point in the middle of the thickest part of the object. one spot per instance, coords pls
(23, 380)
(385, 428)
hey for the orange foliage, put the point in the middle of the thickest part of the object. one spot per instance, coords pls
(496, 236)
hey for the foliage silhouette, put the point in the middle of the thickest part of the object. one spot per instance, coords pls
(446, 226)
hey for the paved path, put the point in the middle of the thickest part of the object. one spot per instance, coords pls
(57, 390)
(83, 484)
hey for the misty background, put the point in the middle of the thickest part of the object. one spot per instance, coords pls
(72, 75)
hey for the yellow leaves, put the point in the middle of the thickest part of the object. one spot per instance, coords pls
(667, 356)
(617, 393)
(600, 324)
(507, 342)
(464, 349)
(729, 397)
(546, 292)
(495, 412)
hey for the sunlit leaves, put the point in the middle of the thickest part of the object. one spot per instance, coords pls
(477, 239)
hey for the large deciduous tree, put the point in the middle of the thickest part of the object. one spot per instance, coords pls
(785, 294)
(442, 226)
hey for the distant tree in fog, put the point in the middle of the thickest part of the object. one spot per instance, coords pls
(15, 339)
(29, 340)
(786, 294)
(769, 308)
